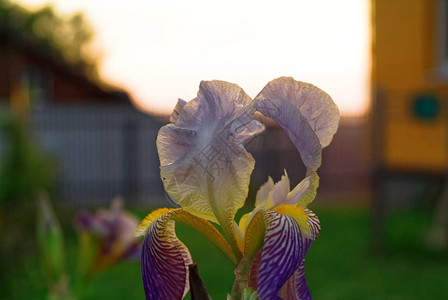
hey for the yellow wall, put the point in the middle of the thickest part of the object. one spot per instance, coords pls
(403, 62)
(400, 44)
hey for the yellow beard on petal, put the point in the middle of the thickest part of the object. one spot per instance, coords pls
(151, 218)
(298, 214)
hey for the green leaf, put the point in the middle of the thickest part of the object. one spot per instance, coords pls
(50, 240)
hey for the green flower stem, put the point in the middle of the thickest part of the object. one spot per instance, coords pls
(249, 294)
(61, 290)
(88, 249)
(241, 279)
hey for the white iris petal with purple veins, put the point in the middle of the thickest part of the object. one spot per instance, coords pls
(307, 114)
(283, 238)
(204, 165)
(316, 106)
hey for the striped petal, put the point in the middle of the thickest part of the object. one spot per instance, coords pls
(282, 252)
(283, 238)
(296, 288)
(202, 226)
(165, 259)
(314, 226)
(165, 262)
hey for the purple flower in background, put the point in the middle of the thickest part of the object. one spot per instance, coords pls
(106, 237)
(206, 169)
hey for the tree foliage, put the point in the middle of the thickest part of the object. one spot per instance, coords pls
(66, 38)
(24, 170)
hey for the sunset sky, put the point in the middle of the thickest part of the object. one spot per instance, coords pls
(160, 50)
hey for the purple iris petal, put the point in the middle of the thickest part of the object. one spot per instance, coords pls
(296, 287)
(114, 229)
(278, 268)
(314, 104)
(307, 114)
(302, 291)
(281, 255)
(165, 262)
(314, 223)
(84, 220)
(296, 126)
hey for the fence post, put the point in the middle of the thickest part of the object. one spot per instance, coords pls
(129, 159)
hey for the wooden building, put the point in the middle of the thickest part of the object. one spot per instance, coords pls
(27, 66)
(102, 145)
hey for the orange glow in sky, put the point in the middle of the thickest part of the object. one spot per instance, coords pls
(160, 50)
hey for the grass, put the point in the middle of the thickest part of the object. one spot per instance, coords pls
(340, 265)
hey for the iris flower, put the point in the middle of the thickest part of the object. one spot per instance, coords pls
(106, 238)
(206, 170)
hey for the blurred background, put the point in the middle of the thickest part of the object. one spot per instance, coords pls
(85, 86)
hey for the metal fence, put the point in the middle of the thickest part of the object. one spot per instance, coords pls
(346, 165)
(103, 151)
